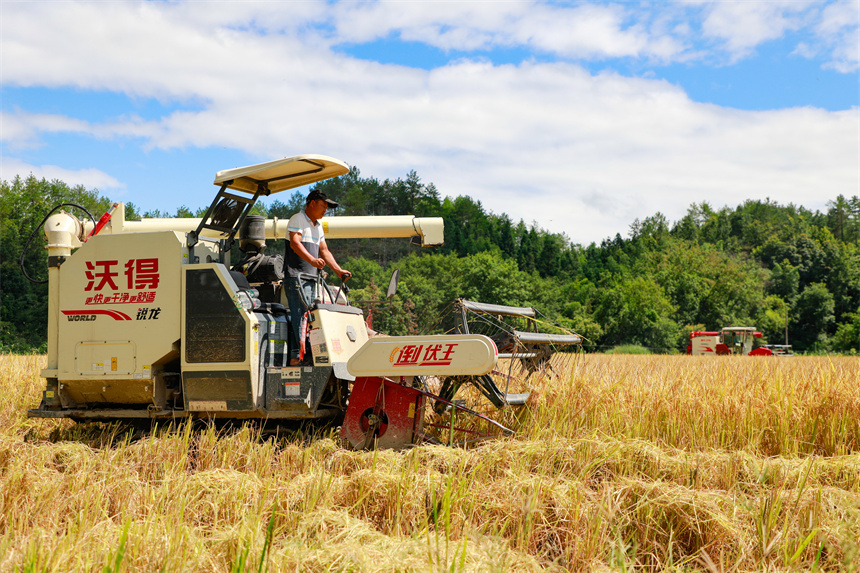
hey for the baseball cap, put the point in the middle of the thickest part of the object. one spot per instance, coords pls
(320, 195)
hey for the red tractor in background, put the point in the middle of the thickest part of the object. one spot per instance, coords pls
(730, 340)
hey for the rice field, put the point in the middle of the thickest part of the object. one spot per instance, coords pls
(619, 463)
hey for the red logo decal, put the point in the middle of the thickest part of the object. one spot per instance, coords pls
(141, 275)
(431, 355)
(114, 314)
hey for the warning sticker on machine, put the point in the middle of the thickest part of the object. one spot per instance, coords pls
(145, 375)
(319, 349)
(207, 406)
(292, 388)
(317, 337)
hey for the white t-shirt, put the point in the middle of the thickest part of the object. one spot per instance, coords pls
(312, 236)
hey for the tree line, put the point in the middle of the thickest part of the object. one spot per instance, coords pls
(789, 271)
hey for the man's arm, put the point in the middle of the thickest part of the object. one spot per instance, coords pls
(329, 258)
(300, 250)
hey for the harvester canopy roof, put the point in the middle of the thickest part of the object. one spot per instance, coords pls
(282, 174)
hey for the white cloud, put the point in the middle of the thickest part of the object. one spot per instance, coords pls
(578, 31)
(839, 29)
(833, 28)
(22, 129)
(745, 25)
(134, 47)
(836, 17)
(579, 153)
(666, 32)
(91, 178)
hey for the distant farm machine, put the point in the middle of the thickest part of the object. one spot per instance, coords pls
(735, 340)
(148, 321)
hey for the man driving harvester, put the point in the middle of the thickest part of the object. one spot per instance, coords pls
(307, 255)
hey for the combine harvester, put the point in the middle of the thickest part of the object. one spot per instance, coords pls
(737, 340)
(149, 322)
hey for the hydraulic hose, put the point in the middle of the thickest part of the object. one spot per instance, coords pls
(36, 230)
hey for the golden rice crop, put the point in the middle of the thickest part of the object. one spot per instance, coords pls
(648, 463)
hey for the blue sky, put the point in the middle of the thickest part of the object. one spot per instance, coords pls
(577, 116)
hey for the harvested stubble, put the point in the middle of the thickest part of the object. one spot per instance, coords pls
(620, 462)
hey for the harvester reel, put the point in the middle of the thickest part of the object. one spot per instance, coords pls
(485, 385)
(540, 361)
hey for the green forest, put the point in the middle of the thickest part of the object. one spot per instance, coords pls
(790, 272)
